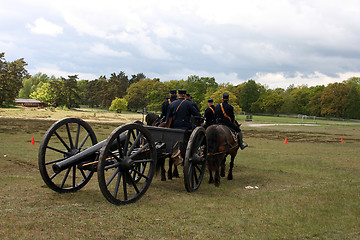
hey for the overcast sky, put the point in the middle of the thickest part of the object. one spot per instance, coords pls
(276, 43)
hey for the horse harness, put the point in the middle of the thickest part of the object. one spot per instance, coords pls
(223, 144)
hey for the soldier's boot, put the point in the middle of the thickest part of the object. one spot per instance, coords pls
(242, 145)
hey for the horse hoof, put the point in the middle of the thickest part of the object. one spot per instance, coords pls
(217, 184)
(230, 177)
(163, 179)
(222, 175)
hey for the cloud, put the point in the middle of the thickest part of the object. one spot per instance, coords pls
(102, 49)
(44, 27)
(53, 70)
(283, 80)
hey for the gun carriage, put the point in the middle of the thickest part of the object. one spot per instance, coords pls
(125, 162)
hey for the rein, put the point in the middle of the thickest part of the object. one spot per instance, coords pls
(218, 153)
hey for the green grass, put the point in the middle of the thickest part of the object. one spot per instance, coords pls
(308, 189)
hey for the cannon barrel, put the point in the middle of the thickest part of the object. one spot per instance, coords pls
(87, 154)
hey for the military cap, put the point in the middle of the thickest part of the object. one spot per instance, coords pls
(225, 96)
(182, 91)
(172, 91)
(210, 100)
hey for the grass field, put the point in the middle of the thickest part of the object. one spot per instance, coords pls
(309, 188)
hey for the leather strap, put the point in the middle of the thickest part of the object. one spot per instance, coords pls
(222, 108)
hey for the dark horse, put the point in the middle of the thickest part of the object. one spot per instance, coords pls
(153, 119)
(220, 144)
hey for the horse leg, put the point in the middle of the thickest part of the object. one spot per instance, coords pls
(217, 178)
(170, 175)
(211, 179)
(176, 173)
(230, 175)
(222, 174)
(161, 163)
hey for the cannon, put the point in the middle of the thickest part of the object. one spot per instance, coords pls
(125, 162)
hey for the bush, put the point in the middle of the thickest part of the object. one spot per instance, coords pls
(118, 105)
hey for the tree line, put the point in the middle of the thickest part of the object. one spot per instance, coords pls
(136, 92)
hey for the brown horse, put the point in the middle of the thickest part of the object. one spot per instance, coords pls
(153, 119)
(221, 143)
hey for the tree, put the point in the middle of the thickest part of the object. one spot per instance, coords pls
(118, 105)
(157, 96)
(249, 94)
(334, 99)
(11, 76)
(198, 87)
(217, 97)
(353, 103)
(273, 103)
(44, 93)
(31, 84)
(136, 78)
(137, 93)
(118, 84)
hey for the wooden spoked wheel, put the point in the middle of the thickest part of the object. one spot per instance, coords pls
(195, 159)
(126, 164)
(65, 138)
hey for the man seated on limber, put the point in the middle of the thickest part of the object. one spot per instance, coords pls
(180, 111)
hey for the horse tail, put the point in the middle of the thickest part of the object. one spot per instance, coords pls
(212, 134)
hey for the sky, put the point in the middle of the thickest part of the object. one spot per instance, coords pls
(276, 43)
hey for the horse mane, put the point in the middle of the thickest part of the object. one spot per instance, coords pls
(151, 118)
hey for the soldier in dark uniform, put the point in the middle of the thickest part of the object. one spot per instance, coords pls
(166, 104)
(225, 115)
(180, 112)
(210, 114)
(188, 97)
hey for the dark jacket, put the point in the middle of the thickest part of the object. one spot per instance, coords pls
(165, 106)
(227, 120)
(209, 116)
(180, 111)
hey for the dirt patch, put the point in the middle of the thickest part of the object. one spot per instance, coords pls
(295, 136)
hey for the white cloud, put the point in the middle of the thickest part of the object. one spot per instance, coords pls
(102, 49)
(53, 70)
(283, 80)
(44, 27)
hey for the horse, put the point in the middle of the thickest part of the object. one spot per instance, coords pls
(153, 119)
(221, 143)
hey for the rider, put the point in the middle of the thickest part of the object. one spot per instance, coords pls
(180, 111)
(210, 114)
(166, 104)
(225, 115)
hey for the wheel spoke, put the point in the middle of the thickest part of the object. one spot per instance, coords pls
(55, 161)
(125, 187)
(65, 177)
(126, 142)
(112, 177)
(83, 141)
(143, 160)
(139, 151)
(142, 175)
(54, 175)
(195, 175)
(133, 183)
(62, 141)
(83, 174)
(74, 176)
(69, 136)
(77, 136)
(57, 150)
(134, 144)
(117, 184)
